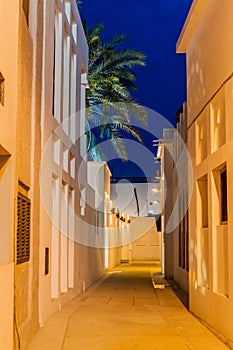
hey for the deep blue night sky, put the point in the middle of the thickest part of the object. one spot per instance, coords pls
(153, 27)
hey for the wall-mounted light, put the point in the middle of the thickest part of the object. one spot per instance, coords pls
(156, 189)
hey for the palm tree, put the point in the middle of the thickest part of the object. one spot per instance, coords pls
(109, 101)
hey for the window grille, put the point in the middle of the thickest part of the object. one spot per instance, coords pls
(23, 229)
(223, 179)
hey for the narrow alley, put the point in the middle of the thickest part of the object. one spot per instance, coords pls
(124, 311)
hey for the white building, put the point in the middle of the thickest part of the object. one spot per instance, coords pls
(136, 198)
(140, 202)
(71, 258)
(111, 223)
(174, 194)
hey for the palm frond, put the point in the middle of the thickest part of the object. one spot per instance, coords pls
(109, 102)
(118, 144)
(128, 128)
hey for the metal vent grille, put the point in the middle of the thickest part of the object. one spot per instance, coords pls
(23, 229)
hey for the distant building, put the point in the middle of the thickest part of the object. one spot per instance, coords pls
(136, 196)
(207, 41)
(140, 201)
(136, 179)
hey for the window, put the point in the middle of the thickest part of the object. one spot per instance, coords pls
(71, 259)
(2, 80)
(56, 149)
(65, 158)
(54, 72)
(219, 195)
(183, 236)
(203, 192)
(72, 166)
(26, 9)
(218, 122)
(57, 64)
(158, 223)
(201, 137)
(83, 201)
(221, 277)
(68, 11)
(203, 233)
(73, 96)
(23, 229)
(66, 84)
(74, 30)
(223, 181)
(46, 268)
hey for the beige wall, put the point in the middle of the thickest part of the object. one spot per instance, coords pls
(164, 153)
(168, 207)
(28, 161)
(180, 192)
(8, 68)
(207, 40)
(147, 247)
(77, 258)
(173, 195)
(21, 70)
(27, 122)
(73, 266)
(99, 179)
(139, 240)
(7, 305)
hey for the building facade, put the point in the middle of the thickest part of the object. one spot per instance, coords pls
(20, 141)
(48, 213)
(207, 41)
(181, 232)
(174, 201)
(71, 258)
(8, 117)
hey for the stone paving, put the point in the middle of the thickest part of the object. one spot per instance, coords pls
(125, 312)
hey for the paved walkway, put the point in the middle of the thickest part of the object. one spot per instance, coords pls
(125, 312)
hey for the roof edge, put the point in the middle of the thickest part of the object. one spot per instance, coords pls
(194, 17)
